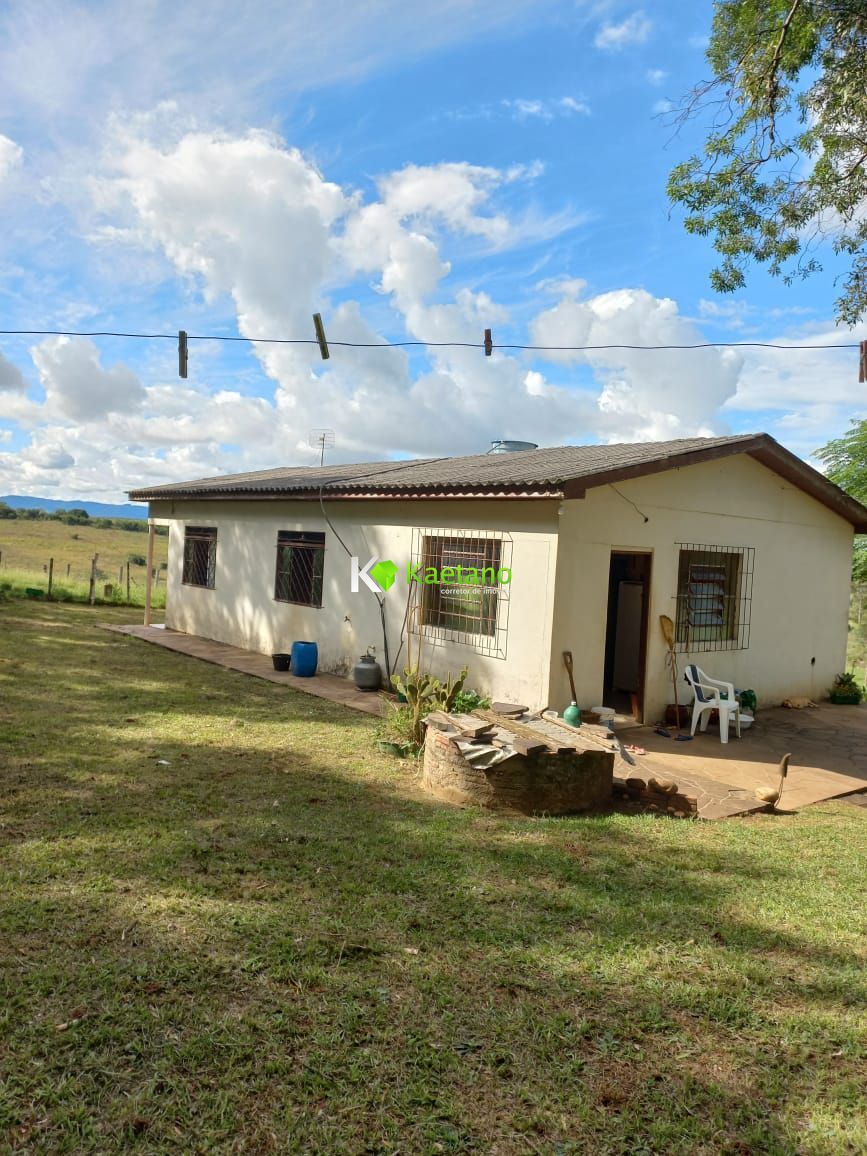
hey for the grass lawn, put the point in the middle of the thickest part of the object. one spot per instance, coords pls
(229, 926)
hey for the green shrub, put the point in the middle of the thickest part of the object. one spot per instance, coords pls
(846, 689)
(396, 726)
(470, 700)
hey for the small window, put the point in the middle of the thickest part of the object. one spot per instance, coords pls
(200, 556)
(300, 566)
(464, 608)
(714, 595)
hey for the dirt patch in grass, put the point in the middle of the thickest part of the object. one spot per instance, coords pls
(229, 925)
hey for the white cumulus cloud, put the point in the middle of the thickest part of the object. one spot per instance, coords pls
(252, 225)
(10, 156)
(11, 377)
(78, 386)
(546, 110)
(47, 455)
(635, 29)
(645, 394)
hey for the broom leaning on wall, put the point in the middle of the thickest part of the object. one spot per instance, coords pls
(671, 660)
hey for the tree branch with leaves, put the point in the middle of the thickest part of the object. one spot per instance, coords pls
(845, 462)
(784, 166)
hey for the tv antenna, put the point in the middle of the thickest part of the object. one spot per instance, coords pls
(322, 438)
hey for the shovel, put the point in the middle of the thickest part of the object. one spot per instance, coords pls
(567, 662)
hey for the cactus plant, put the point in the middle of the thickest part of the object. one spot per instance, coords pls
(425, 693)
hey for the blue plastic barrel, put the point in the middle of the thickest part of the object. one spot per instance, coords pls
(305, 656)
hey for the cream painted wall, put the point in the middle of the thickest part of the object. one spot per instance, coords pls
(241, 610)
(559, 592)
(800, 599)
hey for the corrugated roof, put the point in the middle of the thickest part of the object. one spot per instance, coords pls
(558, 471)
(541, 468)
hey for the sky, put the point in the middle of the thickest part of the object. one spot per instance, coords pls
(414, 173)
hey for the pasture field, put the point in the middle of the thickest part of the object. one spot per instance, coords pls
(27, 544)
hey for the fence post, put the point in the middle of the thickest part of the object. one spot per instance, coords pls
(50, 575)
(127, 583)
(152, 531)
(93, 579)
(68, 568)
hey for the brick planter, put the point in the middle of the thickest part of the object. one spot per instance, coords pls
(553, 784)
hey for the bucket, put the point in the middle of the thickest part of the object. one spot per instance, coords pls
(606, 715)
(305, 656)
(605, 712)
(281, 661)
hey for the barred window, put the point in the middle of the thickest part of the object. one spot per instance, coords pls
(465, 607)
(714, 597)
(200, 556)
(300, 566)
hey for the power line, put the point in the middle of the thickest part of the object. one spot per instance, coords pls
(487, 344)
(430, 344)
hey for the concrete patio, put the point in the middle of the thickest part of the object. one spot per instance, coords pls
(828, 745)
(328, 686)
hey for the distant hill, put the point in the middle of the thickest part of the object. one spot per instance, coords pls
(94, 509)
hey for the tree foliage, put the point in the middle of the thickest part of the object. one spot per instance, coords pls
(845, 461)
(784, 166)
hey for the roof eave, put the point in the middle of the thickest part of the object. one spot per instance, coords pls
(790, 467)
(439, 493)
(577, 487)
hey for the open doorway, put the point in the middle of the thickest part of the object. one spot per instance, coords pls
(626, 633)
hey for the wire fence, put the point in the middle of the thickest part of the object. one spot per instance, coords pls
(59, 579)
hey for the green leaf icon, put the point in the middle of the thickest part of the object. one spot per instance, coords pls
(384, 573)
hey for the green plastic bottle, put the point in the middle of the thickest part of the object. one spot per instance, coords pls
(572, 715)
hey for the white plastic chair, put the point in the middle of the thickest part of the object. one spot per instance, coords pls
(709, 696)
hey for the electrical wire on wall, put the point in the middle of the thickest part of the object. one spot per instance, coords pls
(620, 494)
(380, 598)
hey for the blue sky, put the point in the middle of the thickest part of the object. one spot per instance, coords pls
(412, 175)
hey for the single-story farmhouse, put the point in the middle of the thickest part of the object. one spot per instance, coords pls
(502, 561)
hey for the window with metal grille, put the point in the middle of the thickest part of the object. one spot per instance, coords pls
(200, 556)
(300, 566)
(469, 602)
(714, 597)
